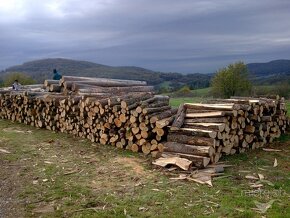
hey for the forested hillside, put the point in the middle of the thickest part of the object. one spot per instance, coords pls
(42, 69)
(272, 72)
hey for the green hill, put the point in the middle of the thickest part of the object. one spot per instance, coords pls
(42, 69)
(272, 72)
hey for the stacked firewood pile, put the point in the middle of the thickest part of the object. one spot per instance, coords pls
(127, 114)
(122, 113)
(204, 132)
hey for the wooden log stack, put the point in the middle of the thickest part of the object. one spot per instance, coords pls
(85, 86)
(122, 113)
(204, 132)
(128, 115)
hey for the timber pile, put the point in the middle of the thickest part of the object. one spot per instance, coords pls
(122, 113)
(202, 133)
(84, 86)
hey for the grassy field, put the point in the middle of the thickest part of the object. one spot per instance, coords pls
(196, 96)
(47, 174)
(200, 95)
(175, 102)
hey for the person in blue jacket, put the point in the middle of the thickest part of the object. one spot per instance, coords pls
(56, 75)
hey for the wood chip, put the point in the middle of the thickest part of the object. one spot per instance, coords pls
(202, 179)
(271, 149)
(4, 151)
(183, 163)
(48, 162)
(71, 172)
(244, 171)
(261, 176)
(263, 207)
(180, 177)
(267, 182)
(275, 163)
(251, 177)
(256, 185)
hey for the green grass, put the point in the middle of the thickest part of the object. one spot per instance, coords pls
(194, 96)
(201, 92)
(76, 178)
(288, 107)
(175, 102)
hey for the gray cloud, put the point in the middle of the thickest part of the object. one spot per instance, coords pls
(165, 35)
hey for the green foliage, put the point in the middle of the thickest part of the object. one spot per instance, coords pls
(232, 80)
(183, 92)
(288, 107)
(282, 89)
(22, 78)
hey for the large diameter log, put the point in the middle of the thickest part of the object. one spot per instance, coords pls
(54, 88)
(48, 82)
(114, 90)
(218, 107)
(197, 161)
(206, 151)
(155, 110)
(208, 126)
(192, 140)
(206, 120)
(212, 114)
(165, 114)
(164, 122)
(103, 81)
(156, 98)
(133, 98)
(195, 132)
(179, 118)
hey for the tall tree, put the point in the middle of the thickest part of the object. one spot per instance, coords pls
(232, 80)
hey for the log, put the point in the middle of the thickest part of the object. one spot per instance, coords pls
(212, 114)
(165, 114)
(206, 151)
(48, 82)
(103, 81)
(114, 90)
(206, 120)
(195, 132)
(154, 110)
(54, 88)
(197, 161)
(179, 118)
(209, 126)
(192, 140)
(218, 107)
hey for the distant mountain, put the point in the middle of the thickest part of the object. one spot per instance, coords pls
(272, 72)
(269, 73)
(261, 73)
(269, 68)
(42, 69)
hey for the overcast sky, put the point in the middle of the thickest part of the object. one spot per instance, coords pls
(186, 36)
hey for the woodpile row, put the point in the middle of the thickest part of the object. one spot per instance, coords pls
(203, 133)
(122, 113)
